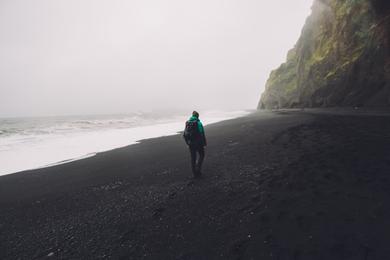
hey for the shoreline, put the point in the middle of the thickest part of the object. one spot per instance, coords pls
(120, 137)
(286, 184)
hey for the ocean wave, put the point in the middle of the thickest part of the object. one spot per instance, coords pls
(31, 143)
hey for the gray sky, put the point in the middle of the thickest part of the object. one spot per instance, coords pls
(117, 56)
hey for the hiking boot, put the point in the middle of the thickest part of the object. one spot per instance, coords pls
(198, 173)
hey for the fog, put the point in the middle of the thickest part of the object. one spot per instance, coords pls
(112, 56)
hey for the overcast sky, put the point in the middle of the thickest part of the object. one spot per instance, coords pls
(117, 56)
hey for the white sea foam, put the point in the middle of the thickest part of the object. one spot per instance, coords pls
(36, 143)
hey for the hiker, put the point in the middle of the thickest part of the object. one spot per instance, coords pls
(195, 138)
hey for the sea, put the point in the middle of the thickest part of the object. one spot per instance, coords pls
(38, 142)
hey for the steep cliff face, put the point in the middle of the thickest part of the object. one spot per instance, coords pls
(341, 59)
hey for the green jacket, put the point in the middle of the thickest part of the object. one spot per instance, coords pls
(202, 140)
(200, 126)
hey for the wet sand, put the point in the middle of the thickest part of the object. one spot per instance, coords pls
(290, 184)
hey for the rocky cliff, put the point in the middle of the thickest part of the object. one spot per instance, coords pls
(342, 58)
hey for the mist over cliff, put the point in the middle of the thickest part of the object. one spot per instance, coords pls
(342, 58)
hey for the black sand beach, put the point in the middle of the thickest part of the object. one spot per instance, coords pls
(290, 184)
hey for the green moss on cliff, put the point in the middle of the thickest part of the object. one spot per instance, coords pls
(329, 63)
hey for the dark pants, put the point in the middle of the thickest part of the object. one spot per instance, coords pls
(196, 164)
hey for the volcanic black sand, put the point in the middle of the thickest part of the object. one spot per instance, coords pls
(277, 185)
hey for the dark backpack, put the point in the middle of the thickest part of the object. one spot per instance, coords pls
(191, 132)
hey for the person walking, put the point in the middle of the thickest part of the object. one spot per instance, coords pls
(195, 138)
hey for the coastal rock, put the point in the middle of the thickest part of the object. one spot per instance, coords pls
(342, 58)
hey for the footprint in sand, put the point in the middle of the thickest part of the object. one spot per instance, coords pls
(158, 212)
